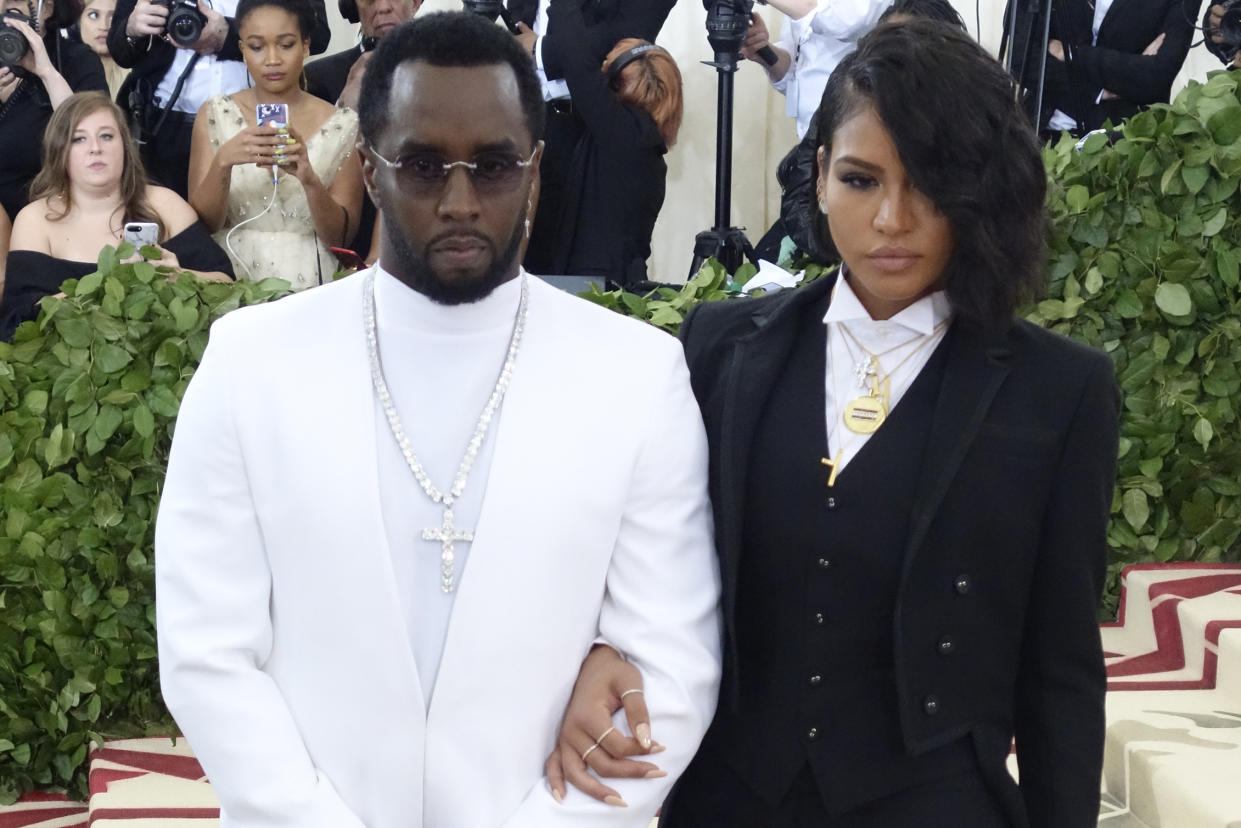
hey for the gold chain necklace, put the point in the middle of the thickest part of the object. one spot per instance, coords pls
(866, 412)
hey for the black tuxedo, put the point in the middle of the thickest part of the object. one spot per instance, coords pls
(998, 564)
(326, 77)
(1115, 62)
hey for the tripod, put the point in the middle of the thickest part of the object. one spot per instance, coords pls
(1015, 58)
(727, 21)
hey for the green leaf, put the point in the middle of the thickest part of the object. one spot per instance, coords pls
(88, 284)
(1225, 125)
(1216, 222)
(1136, 508)
(144, 421)
(1195, 177)
(1076, 198)
(112, 358)
(1173, 299)
(1203, 432)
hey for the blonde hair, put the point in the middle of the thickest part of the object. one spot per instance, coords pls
(652, 82)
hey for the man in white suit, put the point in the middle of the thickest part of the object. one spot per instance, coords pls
(401, 508)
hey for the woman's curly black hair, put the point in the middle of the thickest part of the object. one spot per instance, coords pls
(301, 10)
(965, 142)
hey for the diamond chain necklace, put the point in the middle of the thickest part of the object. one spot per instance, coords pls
(447, 533)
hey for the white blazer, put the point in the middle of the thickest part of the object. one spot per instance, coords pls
(283, 655)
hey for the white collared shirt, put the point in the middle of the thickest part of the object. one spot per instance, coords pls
(816, 44)
(210, 75)
(921, 326)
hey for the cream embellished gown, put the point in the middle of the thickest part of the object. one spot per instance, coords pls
(282, 241)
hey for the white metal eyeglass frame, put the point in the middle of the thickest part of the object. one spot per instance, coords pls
(471, 167)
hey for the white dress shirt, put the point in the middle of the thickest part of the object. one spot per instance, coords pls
(440, 363)
(913, 334)
(816, 44)
(210, 76)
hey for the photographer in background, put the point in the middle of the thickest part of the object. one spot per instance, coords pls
(1223, 36)
(1106, 61)
(564, 171)
(46, 71)
(817, 36)
(171, 78)
(337, 78)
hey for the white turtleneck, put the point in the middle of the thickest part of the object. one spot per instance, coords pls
(913, 334)
(441, 363)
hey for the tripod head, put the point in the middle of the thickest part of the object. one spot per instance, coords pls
(727, 21)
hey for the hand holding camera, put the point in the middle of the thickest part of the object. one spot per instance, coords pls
(183, 22)
(20, 44)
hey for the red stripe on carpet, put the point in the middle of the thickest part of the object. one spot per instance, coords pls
(154, 813)
(184, 767)
(25, 819)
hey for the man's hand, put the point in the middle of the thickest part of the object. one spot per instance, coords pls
(215, 32)
(146, 19)
(8, 83)
(526, 37)
(756, 37)
(605, 684)
(353, 83)
(1056, 49)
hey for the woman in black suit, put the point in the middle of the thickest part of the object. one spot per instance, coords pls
(614, 185)
(911, 490)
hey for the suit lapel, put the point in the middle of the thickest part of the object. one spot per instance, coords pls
(977, 365)
(751, 372)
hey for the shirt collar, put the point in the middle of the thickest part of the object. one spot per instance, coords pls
(923, 316)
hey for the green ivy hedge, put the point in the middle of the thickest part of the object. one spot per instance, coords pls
(1145, 256)
(88, 396)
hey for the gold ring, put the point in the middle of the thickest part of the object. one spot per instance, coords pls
(605, 735)
(588, 750)
(633, 690)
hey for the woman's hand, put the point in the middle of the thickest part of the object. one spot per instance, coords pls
(253, 145)
(605, 684)
(35, 61)
(8, 83)
(295, 160)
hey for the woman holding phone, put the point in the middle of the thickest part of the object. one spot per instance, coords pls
(272, 168)
(91, 186)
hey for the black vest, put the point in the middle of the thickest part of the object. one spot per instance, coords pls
(816, 594)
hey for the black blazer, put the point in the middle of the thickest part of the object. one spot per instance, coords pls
(607, 21)
(1116, 62)
(326, 77)
(150, 57)
(1012, 507)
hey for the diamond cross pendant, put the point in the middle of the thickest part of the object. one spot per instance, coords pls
(447, 534)
(864, 369)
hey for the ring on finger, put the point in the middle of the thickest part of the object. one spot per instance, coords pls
(588, 750)
(599, 741)
(632, 690)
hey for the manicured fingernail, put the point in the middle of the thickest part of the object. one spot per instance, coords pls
(616, 800)
(657, 748)
(656, 774)
(283, 130)
(290, 141)
(558, 796)
(643, 732)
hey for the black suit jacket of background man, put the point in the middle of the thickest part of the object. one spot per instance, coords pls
(326, 77)
(1114, 63)
(1007, 543)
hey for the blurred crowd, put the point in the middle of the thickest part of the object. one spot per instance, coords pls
(206, 128)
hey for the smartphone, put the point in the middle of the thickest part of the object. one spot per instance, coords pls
(139, 233)
(272, 115)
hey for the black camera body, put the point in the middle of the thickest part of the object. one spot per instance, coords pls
(13, 44)
(1230, 24)
(185, 22)
(727, 22)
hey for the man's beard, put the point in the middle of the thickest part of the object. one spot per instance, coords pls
(411, 267)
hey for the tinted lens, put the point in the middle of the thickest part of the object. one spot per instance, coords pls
(497, 168)
(489, 171)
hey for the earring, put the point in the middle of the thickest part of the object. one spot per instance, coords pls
(823, 207)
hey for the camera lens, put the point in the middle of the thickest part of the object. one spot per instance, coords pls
(1230, 26)
(185, 26)
(13, 46)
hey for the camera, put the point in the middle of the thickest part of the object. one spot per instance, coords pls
(1230, 24)
(13, 44)
(185, 22)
